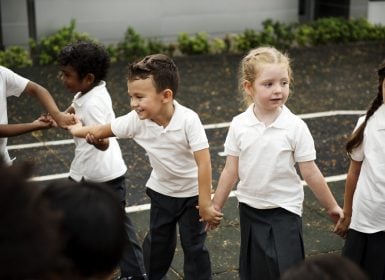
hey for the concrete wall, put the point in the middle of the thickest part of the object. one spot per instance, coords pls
(376, 12)
(108, 20)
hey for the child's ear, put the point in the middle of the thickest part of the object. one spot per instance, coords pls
(90, 78)
(167, 95)
(248, 87)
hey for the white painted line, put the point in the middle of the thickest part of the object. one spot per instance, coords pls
(145, 207)
(206, 126)
(41, 144)
(50, 177)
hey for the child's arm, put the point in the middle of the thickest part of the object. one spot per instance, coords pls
(350, 187)
(206, 209)
(9, 130)
(45, 98)
(316, 181)
(98, 131)
(227, 181)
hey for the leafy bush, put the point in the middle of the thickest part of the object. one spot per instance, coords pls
(198, 44)
(15, 56)
(132, 47)
(46, 51)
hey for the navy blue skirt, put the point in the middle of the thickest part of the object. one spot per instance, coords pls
(271, 242)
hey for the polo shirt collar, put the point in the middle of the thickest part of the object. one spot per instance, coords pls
(80, 99)
(176, 122)
(282, 120)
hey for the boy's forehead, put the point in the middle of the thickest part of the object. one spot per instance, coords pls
(140, 84)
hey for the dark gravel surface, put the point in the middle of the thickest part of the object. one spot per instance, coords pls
(326, 78)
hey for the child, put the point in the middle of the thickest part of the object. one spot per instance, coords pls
(364, 200)
(30, 246)
(177, 146)
(94, 247)
(84, 65)
(263, 145)
(12, 84)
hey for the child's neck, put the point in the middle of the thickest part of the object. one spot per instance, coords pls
(265, 116)
(164, 118)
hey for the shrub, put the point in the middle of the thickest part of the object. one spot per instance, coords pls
(132, 47)
(15, 56)
(46, 51)
(198, 44)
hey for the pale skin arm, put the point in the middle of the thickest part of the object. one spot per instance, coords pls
(350, 187)
(227, 180)
(45, 98)
(316, 182)
(98, 131)
(206, 209)
(99, 143)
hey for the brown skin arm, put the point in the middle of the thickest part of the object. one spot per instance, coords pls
(45, 98)
(350, 187)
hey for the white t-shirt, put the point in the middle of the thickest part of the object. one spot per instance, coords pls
(170, 150)
(267, 157)
(95, 107)
(11, 84)
(368, 214)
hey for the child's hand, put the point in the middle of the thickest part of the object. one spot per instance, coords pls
(65, 119)
(78, 124)
(342, 226)
(100, 144)
(210, 214)
(335, 213)
(44, 122)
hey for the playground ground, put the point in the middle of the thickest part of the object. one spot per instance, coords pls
(332, 87)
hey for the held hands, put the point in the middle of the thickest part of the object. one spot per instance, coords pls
(100, 144)
(342, 226)
(64, 120)
(44, 122)
(77, 125)
(211, 215)
(335, 213)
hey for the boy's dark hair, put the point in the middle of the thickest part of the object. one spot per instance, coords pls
(30, 245)
(92, 225)
(86, 57)
(357, 137)
(162, 69)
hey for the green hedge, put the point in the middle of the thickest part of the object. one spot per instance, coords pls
(133, 45)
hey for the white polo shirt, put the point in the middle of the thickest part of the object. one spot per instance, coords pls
(11, 84)
(95, 107)
(369, 197)
(267, 157)
(170, 150)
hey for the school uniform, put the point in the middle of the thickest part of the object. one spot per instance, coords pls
(269, 191)
(11, 84)
(172, 188)
(91, 164)
(365, 241)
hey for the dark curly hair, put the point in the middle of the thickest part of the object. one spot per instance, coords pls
(86, 57)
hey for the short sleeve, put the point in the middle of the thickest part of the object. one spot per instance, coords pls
(124, 126)
(357, 153)
(196, 134)
(14, 83)
(231, 147)
(304, 145)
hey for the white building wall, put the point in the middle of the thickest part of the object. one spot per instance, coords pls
(108, 20)
(376, 12)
